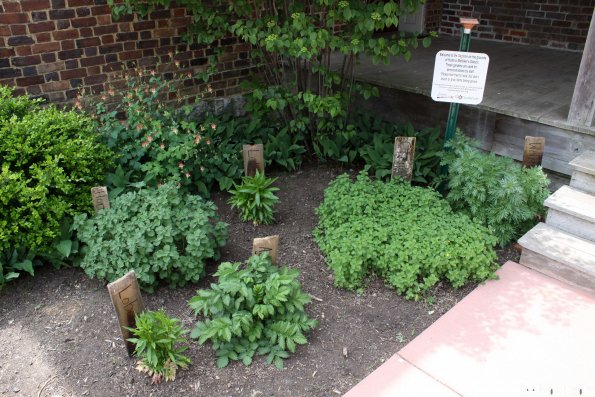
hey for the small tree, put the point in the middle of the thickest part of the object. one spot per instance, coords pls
(298, 47)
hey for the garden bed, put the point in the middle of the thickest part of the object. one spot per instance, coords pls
(59, 335)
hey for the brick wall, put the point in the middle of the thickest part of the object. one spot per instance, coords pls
(433, 15)
(53, 48)
(552, 23)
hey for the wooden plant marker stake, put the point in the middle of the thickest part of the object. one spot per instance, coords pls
(403, 157)
(533, 153)
(253, 159)
(269, 244)
(127, 301)
(100, 198)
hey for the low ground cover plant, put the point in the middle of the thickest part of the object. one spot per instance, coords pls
(157, 339)
(49, 160)
(494, 191)
(407, 235)
(256, 308)
(161, 234)
(255, 198)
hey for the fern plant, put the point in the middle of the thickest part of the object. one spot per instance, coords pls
(255, 198)
(253, 309)
(156, 337)
(494, 191)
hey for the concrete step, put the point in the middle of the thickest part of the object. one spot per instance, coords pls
(559, 255)
(572, 211)
(583, 176)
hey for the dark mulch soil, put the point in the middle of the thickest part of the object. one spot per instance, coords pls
(59, 337)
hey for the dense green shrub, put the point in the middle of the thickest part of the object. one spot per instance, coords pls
(49, 161)
(17, 106)
(253, 309)
(161, 234)
(159, 142)
(156, 338)
(495, 191)
(255, 198)
(407, 235)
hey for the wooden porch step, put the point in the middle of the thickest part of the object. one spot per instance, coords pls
(559, 255)
(583, 176)
(572, 211)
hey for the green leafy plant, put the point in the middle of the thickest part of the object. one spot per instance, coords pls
(161, 234)
(494, 191)
(15, 261)
(407, 235)
(17, 106)
(255, 198)
(49, 160)
(293, 42)
(156, 336)
(257, 308)
(158, 141)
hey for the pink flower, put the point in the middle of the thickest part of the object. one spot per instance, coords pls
(103, 97)
(177, 63)
(209, 88)
(197, 139)
(122, 122)
(202, 169)
(181, 164)
(187, 175)
(174, 130)
(162, 146)
(213, 125)
(139, 127)
(150, 138)
(208, 141)
(189, 74)
(111, 92)
(152, 73)
(145, 144)
(153, 90)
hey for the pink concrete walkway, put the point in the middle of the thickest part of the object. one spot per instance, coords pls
(523, 335)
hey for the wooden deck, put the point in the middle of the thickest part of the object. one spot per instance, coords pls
(528, 92)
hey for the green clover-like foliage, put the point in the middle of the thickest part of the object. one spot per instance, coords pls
(407, 235)
(161, 234)
(256, 308)
(255, 198)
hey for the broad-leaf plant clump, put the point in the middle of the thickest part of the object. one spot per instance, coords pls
(255, 308)
(255, 198)
(407, 235)
(161, 234)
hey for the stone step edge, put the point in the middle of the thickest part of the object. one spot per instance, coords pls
(584, 163)
(534, 240)
(564, 192)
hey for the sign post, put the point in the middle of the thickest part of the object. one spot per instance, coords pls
(453, 113)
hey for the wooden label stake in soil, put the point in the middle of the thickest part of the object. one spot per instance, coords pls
(253, 159)
(403, 157)
(269, 244)
(127, 301)
(533, 153)
(100, 198)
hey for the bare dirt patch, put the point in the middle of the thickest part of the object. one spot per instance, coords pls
(59, 335)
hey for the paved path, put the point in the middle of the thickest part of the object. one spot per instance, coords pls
(523, 335)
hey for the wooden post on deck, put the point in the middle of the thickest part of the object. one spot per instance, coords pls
(582, 107)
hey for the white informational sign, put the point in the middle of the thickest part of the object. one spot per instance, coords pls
(459, 77)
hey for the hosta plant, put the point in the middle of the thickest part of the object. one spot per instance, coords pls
(157, 338)
(256, 308)
(255, 198)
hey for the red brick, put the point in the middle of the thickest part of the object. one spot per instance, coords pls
(26, 60)
(93, 61)
(31, 80)
(101, 10)
(45, 47)
(104, 19)
(55, 86)
(23, 50)
(73, 74)
(13, 18)
(67, 45)
(11, 6)
(34, 90)
(107, 39)
(50, 67)
(4, 30)
(83, 22)
(107, 29)
(88, 42)
(42, 27)
(129, 55)
(78, 3)
(32, 5)
(65, 34)
(43, 37)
